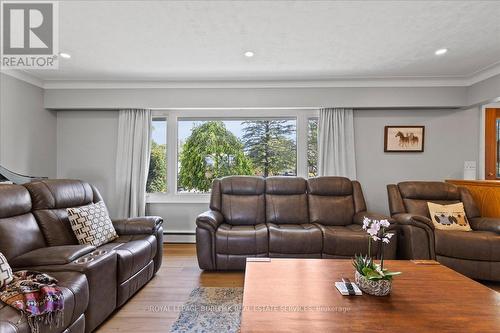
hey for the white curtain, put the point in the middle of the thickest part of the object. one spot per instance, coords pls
(132, 162)
(336, 143)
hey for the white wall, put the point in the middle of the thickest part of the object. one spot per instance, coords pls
(87, 147)
(27, 131)
(451, 137)
(358, 97)
(484, 92)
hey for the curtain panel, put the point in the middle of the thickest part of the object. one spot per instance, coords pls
(132, 162)
(336, 151)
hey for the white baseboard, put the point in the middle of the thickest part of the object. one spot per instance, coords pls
(179, 238)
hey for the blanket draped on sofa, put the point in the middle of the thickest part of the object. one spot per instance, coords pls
(37, 297)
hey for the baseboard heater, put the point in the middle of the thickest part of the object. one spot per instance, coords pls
(179, 237)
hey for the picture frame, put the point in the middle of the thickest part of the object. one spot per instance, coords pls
(404, 139)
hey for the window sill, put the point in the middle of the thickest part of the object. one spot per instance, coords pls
(183, 198)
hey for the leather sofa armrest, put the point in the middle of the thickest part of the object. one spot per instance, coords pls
(53, 255)
(359, 217)
(485, 224)
(146, 225)
(210, 220)
(417, 235)
(416, 220)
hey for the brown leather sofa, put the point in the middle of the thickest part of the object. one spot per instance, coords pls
(35, 234)
(282, 217)
(473, 253)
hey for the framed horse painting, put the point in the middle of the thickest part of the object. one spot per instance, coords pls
(407, 139)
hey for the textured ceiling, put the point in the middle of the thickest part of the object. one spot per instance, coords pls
(205, 40)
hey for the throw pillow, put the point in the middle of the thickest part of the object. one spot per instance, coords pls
(449, 217)
(91, 224)
(6, 275)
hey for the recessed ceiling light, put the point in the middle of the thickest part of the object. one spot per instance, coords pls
(249, 54)
(440, 51)
(65, 55)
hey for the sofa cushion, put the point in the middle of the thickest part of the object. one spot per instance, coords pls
(331, 200)
(91, 224)
(14, 200)
(346, 241)
(330, 186)
(242, 200)
(429, 191)
(76, 297)
(416, 194)
(19, 234)
(55, 226)
(251, 239)
(134, 253)
(331, 210)
(19, 231)
(59, 193)
(51, 198)
(294, 239)
(475, 245)
(286, 200)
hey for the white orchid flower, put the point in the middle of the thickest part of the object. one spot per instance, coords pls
(374, 228)
(385, 223)
(366, 223)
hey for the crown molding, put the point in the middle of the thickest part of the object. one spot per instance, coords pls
(484, 74)
(333, 83)
(342, 82)
(23, 76)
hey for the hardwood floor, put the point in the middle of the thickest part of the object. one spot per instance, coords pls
(156, 306)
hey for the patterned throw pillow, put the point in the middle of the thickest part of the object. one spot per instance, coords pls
(449, 217)
(91, 224)
(6, 276)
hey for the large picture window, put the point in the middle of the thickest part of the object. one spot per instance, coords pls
(192, 147)
(214, 148)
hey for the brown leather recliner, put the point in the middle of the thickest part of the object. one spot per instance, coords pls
(282, 217)
(35, 234)
(473, 253)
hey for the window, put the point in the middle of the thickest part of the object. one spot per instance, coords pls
(492, 143)
(157, 176)
(312, 147)
(191, 147)
(214, 148)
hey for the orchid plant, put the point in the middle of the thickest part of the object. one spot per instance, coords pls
(365, 265)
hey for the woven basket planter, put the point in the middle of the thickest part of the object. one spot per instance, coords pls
(373, 287)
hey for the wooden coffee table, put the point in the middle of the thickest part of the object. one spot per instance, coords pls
(298, 295)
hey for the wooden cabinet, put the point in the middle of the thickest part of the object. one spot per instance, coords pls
(486, 193)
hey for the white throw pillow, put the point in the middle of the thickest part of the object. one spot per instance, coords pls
(91, 224)
(6, 275)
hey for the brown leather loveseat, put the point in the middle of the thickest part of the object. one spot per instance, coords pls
(282, 217)
(35, 234)
(473, 253)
